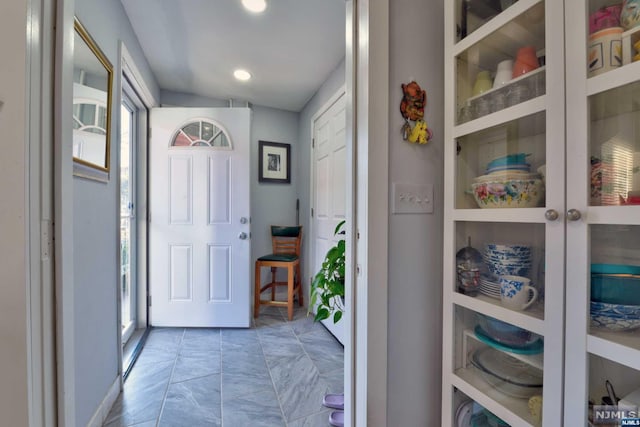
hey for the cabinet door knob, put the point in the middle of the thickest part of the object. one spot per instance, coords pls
(573, 215)
(551, 214)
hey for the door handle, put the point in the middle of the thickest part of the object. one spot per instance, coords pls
(551, 214)
(243, 220)
(573, 215)
(243, 236)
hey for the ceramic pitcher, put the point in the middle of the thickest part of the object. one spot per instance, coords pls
(630, 15)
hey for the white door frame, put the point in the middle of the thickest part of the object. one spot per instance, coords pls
(367, 124)
(130, 71)
(41, 338)
(367, 62)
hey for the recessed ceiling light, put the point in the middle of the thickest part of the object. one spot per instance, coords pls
(243, 75)
(255, 6)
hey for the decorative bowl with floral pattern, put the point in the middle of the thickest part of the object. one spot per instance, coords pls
(527, 193)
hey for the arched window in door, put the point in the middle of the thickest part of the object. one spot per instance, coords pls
(201, 133)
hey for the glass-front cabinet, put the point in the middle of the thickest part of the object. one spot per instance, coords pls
(542, 213)
(602, 368)
(504, 242)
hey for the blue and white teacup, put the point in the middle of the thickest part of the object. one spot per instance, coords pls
(516, 292)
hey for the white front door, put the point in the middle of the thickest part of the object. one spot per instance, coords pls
(199, 217)
(329, 187)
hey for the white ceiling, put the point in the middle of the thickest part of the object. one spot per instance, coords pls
(193, 46)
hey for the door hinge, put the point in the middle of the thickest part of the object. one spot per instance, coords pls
(311, 212)
(46, 239)
(313, 143)
(148, 300)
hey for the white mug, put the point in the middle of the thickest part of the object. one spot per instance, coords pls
(516, 292)
(503, 73)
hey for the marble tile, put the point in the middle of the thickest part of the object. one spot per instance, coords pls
(238, 384)
(189, 367)
(251, 360)
(233, 338)
(275, 349)
(334, 380)
(193, 403)
(325, 351)
(298, 385)
(259, 409)
(267, 320)
(164, 339)
(117, 423)
(305, 325)
(142, 395)
(210, 335)
(320, 419)
(199, 348)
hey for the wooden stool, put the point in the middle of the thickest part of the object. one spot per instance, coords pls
(285, 243)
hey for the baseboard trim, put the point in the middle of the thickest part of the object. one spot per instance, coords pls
(100, 416)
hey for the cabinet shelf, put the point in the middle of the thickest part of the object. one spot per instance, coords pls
(515, 112)
(516, 215)
(536, 360)
(509, 30)
(531, 320)
(623, 215)
(510, 409)
(621, 347)
(613, 79)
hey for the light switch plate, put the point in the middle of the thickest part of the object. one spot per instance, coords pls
(412, 198)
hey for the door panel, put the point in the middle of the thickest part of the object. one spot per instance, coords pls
(220, 273)
(329, 192)
(219, 190)
(180, 194)
(199, 191)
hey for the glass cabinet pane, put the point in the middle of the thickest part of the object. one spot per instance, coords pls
(503, 69)
(503, 361)
(614, 146)
(614, 35)
(614, 392)
(615, 282)
(503, 166)
(491, 256)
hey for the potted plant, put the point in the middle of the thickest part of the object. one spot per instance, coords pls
(327, 288)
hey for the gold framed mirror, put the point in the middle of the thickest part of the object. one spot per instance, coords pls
(92, 93)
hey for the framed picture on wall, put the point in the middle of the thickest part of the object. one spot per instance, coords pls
(274, 162)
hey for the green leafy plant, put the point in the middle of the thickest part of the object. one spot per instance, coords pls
(327, 288)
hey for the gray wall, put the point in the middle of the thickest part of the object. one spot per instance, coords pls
(13, 216)
(415, 241)
(270, 203)
(96, 228)
(334, 82)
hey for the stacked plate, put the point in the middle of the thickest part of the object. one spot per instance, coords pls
(506, 374)
(507, 260)
(489, 287)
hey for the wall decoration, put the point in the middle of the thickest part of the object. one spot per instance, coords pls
(414, 100)
(274, 162)
(92, 87)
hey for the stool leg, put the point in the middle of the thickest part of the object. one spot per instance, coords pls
(300, 298)
(290, 285)
(256, 298)
(273, 281)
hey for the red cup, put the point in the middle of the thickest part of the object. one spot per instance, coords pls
(526, 61)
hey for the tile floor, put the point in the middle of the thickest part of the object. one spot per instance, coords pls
(273, 374)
